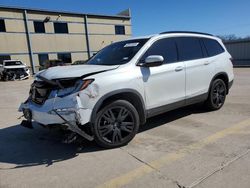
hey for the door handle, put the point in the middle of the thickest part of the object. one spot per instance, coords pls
(206, 63)
(180, 68)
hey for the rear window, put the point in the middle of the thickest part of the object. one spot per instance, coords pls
(189, 48)
(213, 47)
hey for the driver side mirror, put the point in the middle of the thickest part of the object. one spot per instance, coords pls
(152, 61)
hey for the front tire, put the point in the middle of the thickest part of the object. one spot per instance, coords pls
(217, 95)
(116, 124)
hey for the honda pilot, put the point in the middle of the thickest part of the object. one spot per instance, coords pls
(116, 91)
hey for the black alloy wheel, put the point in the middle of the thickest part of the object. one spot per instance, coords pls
(116, 124)
(217, 95)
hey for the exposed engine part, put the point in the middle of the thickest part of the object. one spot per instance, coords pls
(70, 138)
(74, 128)
(27, 114)
(27, 124)
(14, 74)
(20, 116)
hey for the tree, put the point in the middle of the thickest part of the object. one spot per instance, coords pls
(229, 37)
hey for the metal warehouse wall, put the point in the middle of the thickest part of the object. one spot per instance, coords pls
(240, 51)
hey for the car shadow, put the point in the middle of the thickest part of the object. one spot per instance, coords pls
(172, 116)
(24, 147)
(21, 147)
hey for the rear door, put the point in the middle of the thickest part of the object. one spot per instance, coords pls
(164, 84)
(198, 69)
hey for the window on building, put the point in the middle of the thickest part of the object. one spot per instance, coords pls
(119, 30)
(164, 47)
(43, 58)
(189, 48)
(213, 47)
(2, 26)
(65, 57)
(39, 27)
(61, 28)
(4, 57)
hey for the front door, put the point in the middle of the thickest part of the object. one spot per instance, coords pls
(164, 84)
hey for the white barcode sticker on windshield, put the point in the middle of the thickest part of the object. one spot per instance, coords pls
(131, 44)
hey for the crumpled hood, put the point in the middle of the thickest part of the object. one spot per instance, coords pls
(73, 71)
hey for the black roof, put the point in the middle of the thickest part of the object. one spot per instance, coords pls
(186, 32)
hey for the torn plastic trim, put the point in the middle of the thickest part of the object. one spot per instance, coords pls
(75, 128)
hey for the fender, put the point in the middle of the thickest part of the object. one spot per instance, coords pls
(120, 91)
(217, 75)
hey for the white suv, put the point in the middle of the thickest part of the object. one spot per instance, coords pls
(127, 82)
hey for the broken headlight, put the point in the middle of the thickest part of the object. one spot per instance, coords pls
(69, 87)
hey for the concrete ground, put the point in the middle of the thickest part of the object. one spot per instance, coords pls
(183, 148)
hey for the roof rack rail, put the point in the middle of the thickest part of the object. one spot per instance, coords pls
(190, 32)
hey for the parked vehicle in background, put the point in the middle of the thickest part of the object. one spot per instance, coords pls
(79, 62)
(52, 63)
(129, 81)
(13, 70)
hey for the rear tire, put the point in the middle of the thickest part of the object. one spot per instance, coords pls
(116, 124)
(217, 95)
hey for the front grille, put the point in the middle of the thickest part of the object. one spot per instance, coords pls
(39, 92)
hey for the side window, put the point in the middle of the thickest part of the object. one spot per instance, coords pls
(213, 47)
(189, 48)
(204, 50)
(164, 47)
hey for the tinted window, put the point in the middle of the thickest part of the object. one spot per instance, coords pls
(165, 48)
(4, 57)
(2, 26)
(65, 57)
(213, 47)
(118, 53)
(204, 50)
(119, 30)
(189, 48)
(13, 63)
(39, 27)
(61, 27)
(43, 58)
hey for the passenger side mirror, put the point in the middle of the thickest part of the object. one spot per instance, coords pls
(152, 61)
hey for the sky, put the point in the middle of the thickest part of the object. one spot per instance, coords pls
(218, 17)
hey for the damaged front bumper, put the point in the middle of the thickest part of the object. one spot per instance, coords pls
(67, 111)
